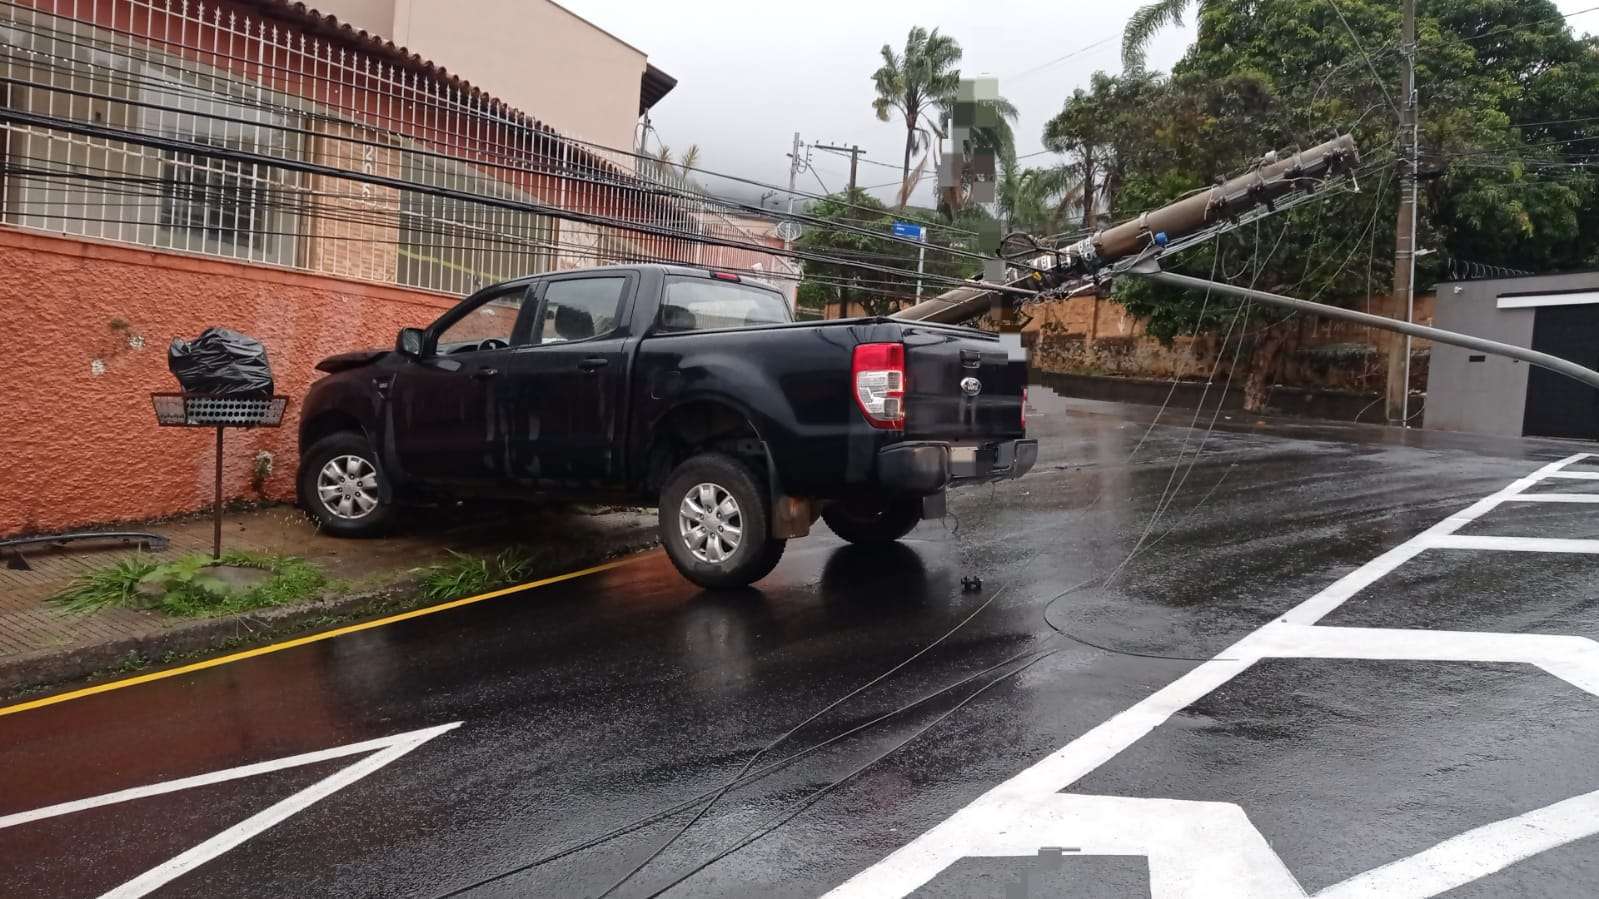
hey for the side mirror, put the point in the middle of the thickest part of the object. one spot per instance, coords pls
(410, 342)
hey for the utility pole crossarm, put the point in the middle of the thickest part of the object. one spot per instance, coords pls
(1276, 178)
(855, 154)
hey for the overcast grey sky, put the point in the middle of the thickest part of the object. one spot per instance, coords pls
(750, 74)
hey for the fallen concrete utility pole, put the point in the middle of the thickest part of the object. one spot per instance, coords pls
(1151, 270)
(1273, 180)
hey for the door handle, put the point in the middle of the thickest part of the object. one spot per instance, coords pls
(483, 374)
(593, 363)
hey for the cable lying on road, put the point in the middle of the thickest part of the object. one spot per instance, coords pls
(744, 772)
(758, 774)
(795, 729)
(816, 796)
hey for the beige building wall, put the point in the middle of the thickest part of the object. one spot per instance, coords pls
(534, 54)
(371, 16)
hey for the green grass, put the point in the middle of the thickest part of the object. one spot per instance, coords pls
(187, 587)
(465, 575)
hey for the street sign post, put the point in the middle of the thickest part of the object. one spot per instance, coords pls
(915, 232)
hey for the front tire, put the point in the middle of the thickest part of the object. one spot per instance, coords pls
(715, 523)
(871, 521)
(341, 487)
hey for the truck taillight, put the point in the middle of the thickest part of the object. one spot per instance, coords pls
(878, 373)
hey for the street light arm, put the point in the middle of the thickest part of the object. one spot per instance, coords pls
(1152, 271)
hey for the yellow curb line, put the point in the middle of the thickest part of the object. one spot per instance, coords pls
(309, 638)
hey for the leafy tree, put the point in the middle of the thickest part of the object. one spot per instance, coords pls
(1501, 82)
(917, 83)
(1103, 130)
(876, 292)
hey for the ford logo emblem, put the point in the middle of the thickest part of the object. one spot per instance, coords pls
(971, 386)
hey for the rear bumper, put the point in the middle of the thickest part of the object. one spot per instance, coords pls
(923, 468)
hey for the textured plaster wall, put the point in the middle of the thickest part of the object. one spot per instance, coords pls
(86, 326)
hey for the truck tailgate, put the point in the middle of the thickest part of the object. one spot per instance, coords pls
(961, 387)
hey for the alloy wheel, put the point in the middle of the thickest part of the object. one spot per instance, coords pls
(709, 523)
(348, 487)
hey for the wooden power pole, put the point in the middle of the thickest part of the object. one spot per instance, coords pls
(854, 161)
(1404, 292)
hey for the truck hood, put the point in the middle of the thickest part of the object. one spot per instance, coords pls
(345, 361)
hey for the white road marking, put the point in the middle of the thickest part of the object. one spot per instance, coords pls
(389, 749)
(1193, 847)
(1577, 475)
(1555, 498)
(214, 777)
(1476, 853)
(1515, 544)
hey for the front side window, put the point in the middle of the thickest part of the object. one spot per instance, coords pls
(489, 326)
(580, 308)
(697, 304)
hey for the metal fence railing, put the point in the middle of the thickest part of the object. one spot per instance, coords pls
(187, 126)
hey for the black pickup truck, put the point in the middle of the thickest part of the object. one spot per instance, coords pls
(690, 390)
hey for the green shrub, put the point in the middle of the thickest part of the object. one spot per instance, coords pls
(190, 587)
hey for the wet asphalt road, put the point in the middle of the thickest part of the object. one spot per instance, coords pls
(589, 704)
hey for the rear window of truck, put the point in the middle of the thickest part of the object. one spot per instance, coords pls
(695, 304)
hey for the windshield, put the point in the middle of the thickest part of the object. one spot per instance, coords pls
(695, 304)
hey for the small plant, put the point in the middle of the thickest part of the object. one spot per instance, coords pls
(193, 586)
(116, 584)
(260, 471)
(465, 575)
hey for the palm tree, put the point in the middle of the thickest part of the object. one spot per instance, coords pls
(921, 80)
(1146, 22)
(1034, 200)
(677, 169)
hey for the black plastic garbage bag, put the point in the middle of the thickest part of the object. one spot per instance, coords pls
(221, 363)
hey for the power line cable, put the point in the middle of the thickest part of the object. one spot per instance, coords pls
(478, 157)
(1376, 78)
(1060, 59)
(1527, 26)
(446, 108)
(255, 158)
(645, 188)
(817, 795)
(641, 822)
(652, 856)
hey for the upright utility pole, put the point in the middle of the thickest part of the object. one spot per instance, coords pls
(1398, 394)
(854, 159)
(793, 172)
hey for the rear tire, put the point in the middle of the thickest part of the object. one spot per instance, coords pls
(873, 520)
(715, 523)
(341, 486)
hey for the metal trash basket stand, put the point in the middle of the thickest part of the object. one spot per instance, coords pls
(191, 410)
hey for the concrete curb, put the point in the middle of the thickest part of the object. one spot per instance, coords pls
(215, 636)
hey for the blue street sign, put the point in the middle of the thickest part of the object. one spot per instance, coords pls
(906, 229)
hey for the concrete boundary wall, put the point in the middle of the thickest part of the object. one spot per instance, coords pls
(86, 327)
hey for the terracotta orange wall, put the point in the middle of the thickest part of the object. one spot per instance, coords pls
(79, 447)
